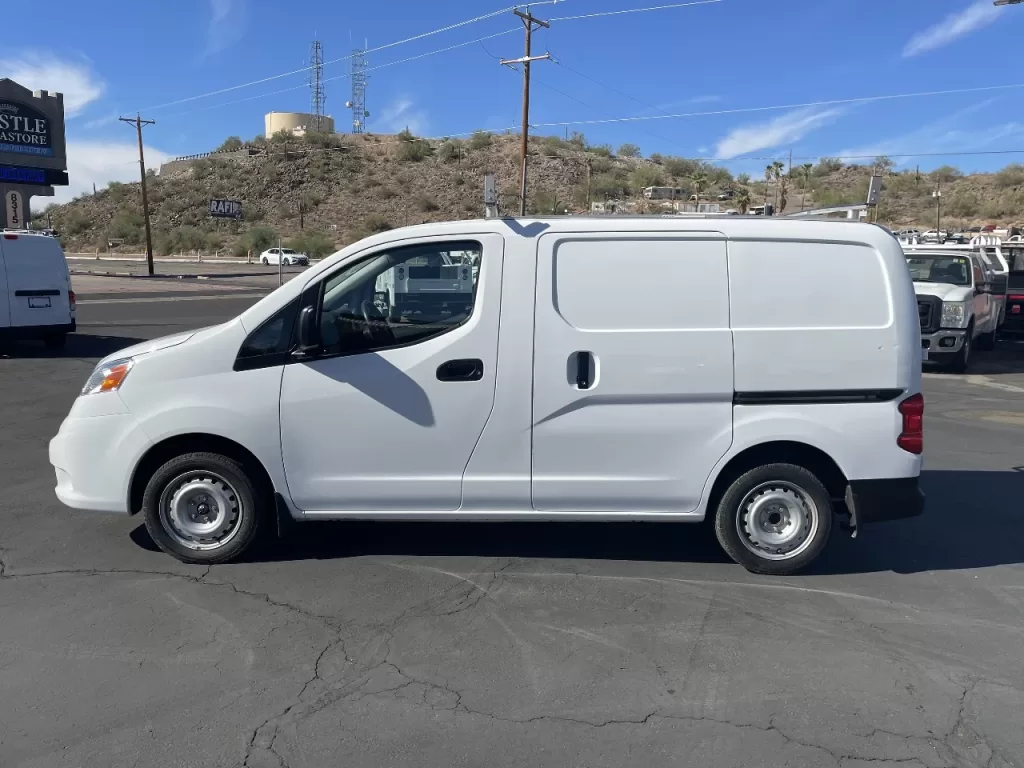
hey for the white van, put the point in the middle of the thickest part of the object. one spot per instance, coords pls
(566, 385)
(36, 300)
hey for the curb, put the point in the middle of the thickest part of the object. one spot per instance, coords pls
(176, 276)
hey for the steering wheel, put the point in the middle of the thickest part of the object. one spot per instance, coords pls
(376, 328)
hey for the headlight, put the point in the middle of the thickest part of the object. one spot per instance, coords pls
(954, 314)
(108, 376)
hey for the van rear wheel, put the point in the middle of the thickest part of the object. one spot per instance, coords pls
(774, 519)
(55, 340)
(203, 508)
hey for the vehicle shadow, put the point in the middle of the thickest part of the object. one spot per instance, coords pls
(971, 520)
(78, 345)
(1007, 357)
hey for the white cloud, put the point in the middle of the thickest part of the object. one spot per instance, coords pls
(400, 115)
(227, 25)
(784, 129)
(40, 72)
(947, 134)
(101, 162)
(953, 27)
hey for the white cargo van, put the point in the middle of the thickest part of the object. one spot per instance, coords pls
(558, 388)
(36, 300)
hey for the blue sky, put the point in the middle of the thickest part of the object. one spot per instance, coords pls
(114, 57)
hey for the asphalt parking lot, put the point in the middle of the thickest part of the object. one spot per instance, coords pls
(508, 645)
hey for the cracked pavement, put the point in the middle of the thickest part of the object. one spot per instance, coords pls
(505, 645)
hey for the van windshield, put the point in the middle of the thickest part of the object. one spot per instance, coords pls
(940, 269)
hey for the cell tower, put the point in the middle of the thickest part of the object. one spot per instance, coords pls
(316, 84)
(358, 102)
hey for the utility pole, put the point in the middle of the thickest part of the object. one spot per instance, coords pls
(528, 21)
(590, 169)
(138, 122)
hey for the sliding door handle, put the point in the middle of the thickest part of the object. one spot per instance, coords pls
(583, 368)
(461, 370)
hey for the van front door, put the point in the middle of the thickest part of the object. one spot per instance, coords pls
(386, 417)
(633, 371)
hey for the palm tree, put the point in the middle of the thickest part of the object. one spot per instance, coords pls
(743, 199)
(699, 181)
(777, 168)
(806, 168)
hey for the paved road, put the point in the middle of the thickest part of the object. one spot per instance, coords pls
(487, 645)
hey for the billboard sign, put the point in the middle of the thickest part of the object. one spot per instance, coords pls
(226, 209)
(24, 129)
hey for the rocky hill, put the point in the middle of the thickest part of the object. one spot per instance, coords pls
(320, 192)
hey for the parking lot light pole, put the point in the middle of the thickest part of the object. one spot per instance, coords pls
(937, 194)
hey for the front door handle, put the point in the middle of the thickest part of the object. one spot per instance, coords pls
(470, 369)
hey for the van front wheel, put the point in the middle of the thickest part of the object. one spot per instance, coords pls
(203, 508)
(774, 519)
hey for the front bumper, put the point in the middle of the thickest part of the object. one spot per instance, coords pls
(93, 458)
(943, 341)
(875, 501)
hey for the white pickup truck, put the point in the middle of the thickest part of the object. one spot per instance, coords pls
(957, 303)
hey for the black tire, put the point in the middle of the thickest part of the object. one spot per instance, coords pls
(792, 481)
(266, 261)
(252, 504)
(987, 342)
(962, 359)
(55, 340)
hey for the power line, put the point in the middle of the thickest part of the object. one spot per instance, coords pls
(421, 37)
(635, 10)
(345, 58)
(344, 76)
(825, 103)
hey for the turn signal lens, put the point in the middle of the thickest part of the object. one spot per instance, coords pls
(108, 377)
(71, 299)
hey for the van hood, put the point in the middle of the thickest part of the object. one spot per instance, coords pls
(945, 291)
(155, 345)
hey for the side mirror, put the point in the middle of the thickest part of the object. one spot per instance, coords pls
(309, 338)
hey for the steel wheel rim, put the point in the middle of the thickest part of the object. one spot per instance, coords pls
(201, 510)
(777, 520)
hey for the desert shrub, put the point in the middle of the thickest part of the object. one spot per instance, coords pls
(412, 149)
(261, 238)
(480, 139)
(646, 176)
(628, 150)
(450, 151)
(1011, 176)
(316, 245)
(426, 203)
(827, 165)
(372, 225)
(231, 144)
(946, 174)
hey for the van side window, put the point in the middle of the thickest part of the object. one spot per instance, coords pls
(269, 344)
(399, 297)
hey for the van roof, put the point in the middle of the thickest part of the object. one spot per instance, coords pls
(26, 233)
(531, 226)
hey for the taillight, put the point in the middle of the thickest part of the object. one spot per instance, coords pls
(911, 439)
(1016, 297)
(71, 299)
